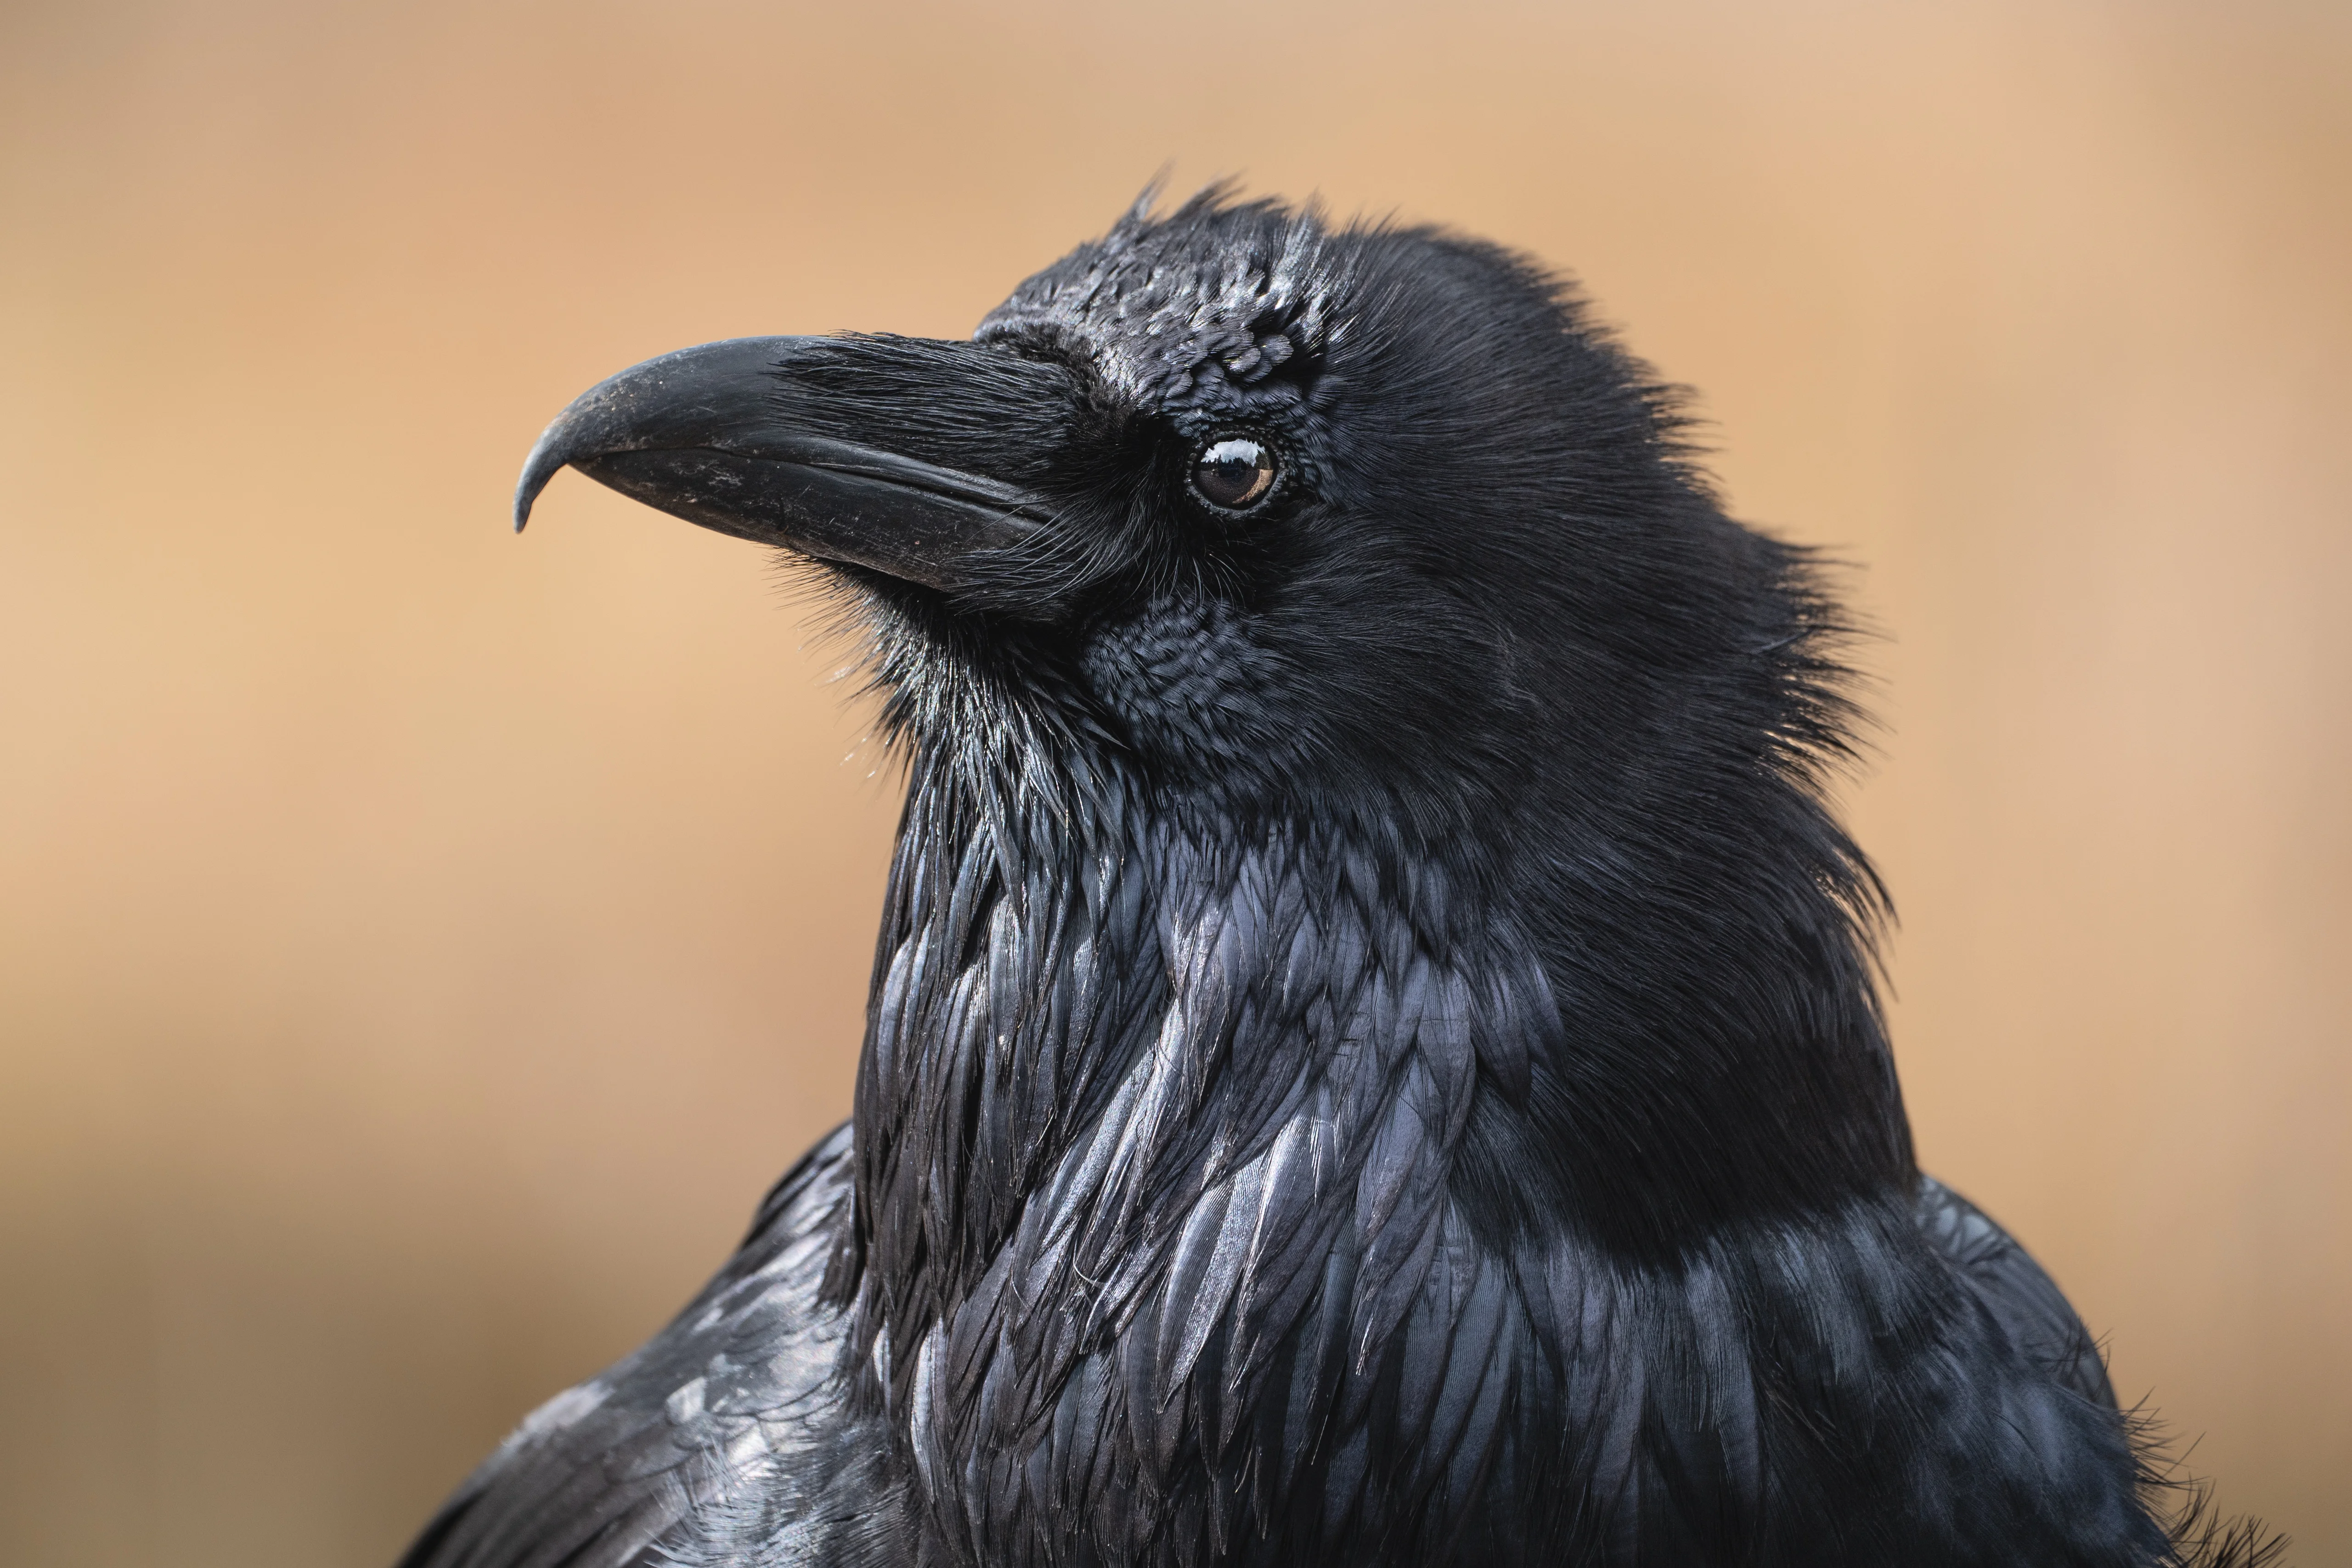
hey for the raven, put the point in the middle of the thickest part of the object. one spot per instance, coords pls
(1373, 1053)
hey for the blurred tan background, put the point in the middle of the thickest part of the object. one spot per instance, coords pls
(419, 947)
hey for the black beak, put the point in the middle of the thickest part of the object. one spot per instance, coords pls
(773, 439)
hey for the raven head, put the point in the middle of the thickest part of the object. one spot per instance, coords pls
(1234, 528)
(1250, 507)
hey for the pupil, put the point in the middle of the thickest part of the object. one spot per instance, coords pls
(1233, 472)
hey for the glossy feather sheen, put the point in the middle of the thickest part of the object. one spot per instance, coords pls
(1371, 1056)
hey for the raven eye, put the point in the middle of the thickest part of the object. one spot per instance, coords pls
(1233, 472)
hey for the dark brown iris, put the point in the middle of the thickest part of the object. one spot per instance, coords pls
(1233, 472)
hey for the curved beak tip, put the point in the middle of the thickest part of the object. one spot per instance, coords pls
(548, 456)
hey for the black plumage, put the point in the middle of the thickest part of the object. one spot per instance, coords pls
(1374, 1055)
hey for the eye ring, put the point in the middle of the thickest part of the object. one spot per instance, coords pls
(1234, 472)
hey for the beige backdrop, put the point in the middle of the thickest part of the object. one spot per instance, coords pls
(418, 947)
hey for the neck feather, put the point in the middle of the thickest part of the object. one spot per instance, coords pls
(1090, 1009)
